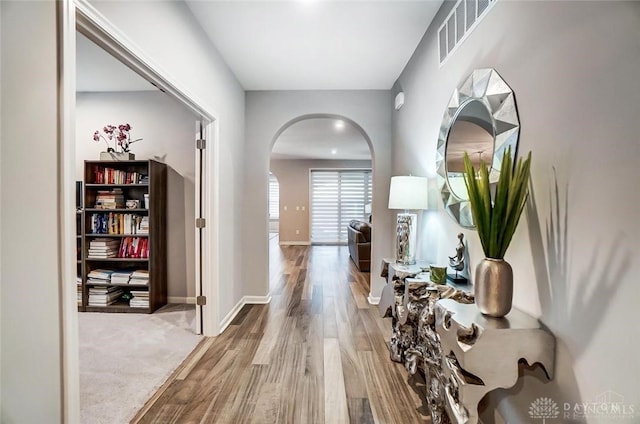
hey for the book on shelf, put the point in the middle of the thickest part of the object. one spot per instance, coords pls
(103, 296)
(109, 199)
(119, 223)
(121, 276)
(134, 247)
(102, 275)
(103, 242)
(106, 255)
(140, 299)
(139, 277)
(108, 175)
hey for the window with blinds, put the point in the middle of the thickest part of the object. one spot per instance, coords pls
(337, 197)
(274, 197)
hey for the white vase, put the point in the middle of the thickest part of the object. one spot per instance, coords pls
(117, 156)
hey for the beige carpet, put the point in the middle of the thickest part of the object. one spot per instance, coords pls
(125, 358)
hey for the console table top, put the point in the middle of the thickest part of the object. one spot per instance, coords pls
(467, 314)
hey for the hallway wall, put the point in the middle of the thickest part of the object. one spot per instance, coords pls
(268, 112)
(30, 320)
(170, 35)
(573, 67)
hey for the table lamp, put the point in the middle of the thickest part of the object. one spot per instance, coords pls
(408, 193)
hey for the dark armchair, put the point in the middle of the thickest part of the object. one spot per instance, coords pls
(359, 241)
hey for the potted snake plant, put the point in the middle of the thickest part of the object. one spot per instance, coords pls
(496, 219)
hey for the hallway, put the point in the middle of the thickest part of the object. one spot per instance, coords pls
(316, 354)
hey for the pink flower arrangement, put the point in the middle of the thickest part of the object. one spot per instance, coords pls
(120, 135)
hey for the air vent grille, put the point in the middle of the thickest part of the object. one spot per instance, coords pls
(464, 17)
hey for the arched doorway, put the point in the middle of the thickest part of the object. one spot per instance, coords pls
(324, 167)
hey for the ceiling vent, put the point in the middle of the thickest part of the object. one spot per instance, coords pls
(464, 17)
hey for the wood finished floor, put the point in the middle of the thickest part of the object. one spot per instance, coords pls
(317, 354)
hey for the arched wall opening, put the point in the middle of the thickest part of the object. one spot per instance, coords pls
(324, 165)
(269, 113)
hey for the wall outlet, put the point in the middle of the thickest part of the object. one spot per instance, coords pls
(297, 231)
(303, 208)
(285, 207)
(297, 208)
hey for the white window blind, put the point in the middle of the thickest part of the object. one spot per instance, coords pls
(274, 197)
(337, 197)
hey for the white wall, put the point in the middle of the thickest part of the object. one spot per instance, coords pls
(574, 69)
(267, 113)
(293, 177)
(169, 34)
(167, 129)
(30, 275)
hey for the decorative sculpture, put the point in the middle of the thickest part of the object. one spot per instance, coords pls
(457, 262)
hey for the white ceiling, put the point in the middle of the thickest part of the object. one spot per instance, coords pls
(316, 139)
(292, 45)
(315, 44)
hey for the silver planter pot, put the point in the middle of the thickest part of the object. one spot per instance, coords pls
(493, 287)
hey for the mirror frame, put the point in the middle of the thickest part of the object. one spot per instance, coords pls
(488, 88)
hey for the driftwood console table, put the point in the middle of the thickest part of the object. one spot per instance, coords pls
(438, 330)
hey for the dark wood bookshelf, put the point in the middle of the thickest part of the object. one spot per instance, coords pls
(156, 263)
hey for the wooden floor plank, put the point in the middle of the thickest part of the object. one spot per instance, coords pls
(316, 354)
(335, 399)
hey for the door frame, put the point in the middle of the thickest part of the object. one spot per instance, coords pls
(79, 15)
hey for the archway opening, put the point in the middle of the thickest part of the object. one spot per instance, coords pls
(324, 166)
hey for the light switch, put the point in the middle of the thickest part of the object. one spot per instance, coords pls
(297, 208)
(303, 208)
(285, 207)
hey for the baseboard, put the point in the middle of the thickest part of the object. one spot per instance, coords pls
(179, 299)
(295, 243)
(373, 300)
(231, 315)
(246, 300)
(257, 300)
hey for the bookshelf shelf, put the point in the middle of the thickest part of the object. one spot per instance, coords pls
(116, 259)
(122, 307)
(115, 185)
(105, 212)
(115, 235)
(121, 210)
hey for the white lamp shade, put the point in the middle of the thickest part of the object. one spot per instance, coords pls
(408, 192)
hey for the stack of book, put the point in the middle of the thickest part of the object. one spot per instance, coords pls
(142, 226)
(103, 248)
(140, 277)
(110, 199)
(99, 276)
(140, 299)
(121, 276)
(103, 296)
(79, 289)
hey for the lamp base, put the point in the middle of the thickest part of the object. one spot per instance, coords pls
(406, 238)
